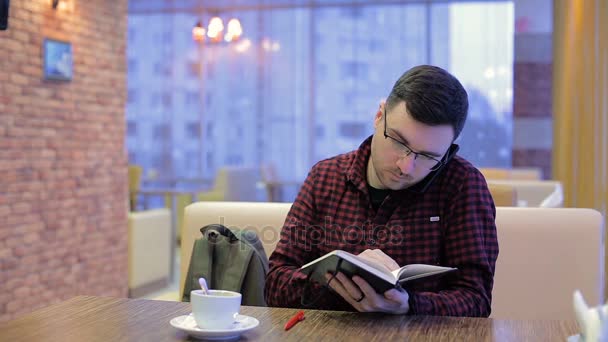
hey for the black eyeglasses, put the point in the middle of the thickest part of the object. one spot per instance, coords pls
(421, 159)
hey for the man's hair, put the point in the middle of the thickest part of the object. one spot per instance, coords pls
(432, 96)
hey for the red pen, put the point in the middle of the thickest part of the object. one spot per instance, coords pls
(295, 319)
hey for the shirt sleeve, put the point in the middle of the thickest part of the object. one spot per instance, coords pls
(470, 244)
(298, 244)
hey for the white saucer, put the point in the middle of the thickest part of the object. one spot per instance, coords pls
(187, 324)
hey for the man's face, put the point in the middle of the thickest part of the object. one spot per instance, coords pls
(409, 153)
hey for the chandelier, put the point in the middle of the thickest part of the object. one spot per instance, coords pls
(215, 33)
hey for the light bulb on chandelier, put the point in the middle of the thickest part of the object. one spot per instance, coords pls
(215, 28)
(198, 32)
(215, 31)
(234, 30)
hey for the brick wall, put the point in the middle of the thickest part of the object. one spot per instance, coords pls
(63, 167)
(532, 85)
(533, 115)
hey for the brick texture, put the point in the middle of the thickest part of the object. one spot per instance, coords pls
(63, 166)
(533, 98)
(540, 158)
(532, 87)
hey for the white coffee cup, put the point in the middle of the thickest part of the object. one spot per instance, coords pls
(215, 310)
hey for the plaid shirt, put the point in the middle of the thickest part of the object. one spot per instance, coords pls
(450, 224)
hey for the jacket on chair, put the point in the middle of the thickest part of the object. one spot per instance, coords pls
(229, 259)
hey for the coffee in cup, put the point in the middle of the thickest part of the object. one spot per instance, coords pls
(215, 310)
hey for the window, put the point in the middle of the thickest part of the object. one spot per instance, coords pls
(324, 82)
(132, 34)
(210, 70)
(210, 129)
(132, 157)
(167, 100)
(376, 45)
(167, 38)
(349, 97)
(354, 69)
(208, 99)
(158, 69)
(193, 130)
(155, 101)
(353, 130)
(320, 131)
(194, 69)
(192, 98)
(210, 161)
(162, 131)
(234, 114)
(132, 66)
(132, 96)
(234, 160)
(352, 12)
(131, 128)
(163, 70)
(321, 71)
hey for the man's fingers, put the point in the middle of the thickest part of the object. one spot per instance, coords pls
(364, 287)
(351, 288)
(339, 288)
(386, 260)
(393, 301)
(380, 257)
(393, 295)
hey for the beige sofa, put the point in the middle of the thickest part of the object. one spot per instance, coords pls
(518, 173)
(531, 193)
(149, 238)
(545, 253)
(233, 183)
(503, 195)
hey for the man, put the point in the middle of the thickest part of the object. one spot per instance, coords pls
(402, 197)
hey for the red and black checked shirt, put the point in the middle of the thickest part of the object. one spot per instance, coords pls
(450, 224)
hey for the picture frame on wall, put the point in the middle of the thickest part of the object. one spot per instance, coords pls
(4, 5)
(57, 60)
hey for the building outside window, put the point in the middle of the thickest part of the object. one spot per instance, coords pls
(308, 85)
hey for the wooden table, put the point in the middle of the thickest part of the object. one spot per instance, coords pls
(119, 319)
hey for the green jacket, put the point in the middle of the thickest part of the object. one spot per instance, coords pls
(229, 259)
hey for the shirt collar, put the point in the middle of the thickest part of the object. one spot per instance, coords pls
(357, 170)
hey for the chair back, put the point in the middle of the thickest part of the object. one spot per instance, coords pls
(545, 254)
(241, 183)
(266, 219)
(494, 173)
(135, 172)
(269, 179)
(518, 173)
(503, 195)
(149, 251)
(268, 172)
(548, 194)
(233, 184)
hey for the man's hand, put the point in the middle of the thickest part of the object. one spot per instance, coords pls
(377, 256)
(358, 293)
